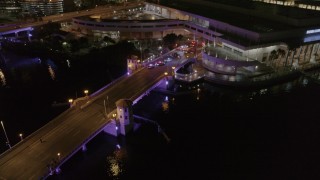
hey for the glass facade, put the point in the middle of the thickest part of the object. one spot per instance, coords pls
(9, 6)
(45, 7)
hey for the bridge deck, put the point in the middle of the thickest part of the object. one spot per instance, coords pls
(30, 158)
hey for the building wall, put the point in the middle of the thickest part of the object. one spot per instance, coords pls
(47, 7)
(201, 27)
(203, 21)
(9, 6)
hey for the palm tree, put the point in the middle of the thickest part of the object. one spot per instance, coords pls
(272, 55)
(281, 52)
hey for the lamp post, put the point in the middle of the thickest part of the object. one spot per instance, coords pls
(86, 92)
(166, 75)
(105, 107)
(173, 68)
(70, 102)
(5, 133)
(141, 53)
(21, 136)
(198, 90)
(59, 155)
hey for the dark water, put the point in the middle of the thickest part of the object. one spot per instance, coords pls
(37, 89)
(215, 133)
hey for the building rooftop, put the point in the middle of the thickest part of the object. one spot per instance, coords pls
(124, 15)
(124, 103)
(256, 16)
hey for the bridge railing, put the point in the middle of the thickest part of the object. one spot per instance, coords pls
(37, 132)
(69, 154)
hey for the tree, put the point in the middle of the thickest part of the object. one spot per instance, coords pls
(108, 39)
(84, 42)
(281, 52)
(273, 55)
(47, 30)
(170, 40)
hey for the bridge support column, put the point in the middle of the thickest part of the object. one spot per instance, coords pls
(122, 121)
(125, 115)
(84, 148)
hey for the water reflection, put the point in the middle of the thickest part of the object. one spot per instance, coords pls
(165, 104)
(258, 116)
(198, 93)
(288, 87)
(305, 81)
(237, 95)
(263, 91)
(2, 78)
(115, 163)
(51, 72)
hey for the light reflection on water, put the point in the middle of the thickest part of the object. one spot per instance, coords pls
(305, 81)
(165, 106)
(51, 72)
(115, 163)
(2, 78)
(240, 95)
(128, 159)
(288, 87)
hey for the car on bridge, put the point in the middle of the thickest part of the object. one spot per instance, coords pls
(160, 63)
(150, 66)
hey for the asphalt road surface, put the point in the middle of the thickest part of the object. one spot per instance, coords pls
(30, 158)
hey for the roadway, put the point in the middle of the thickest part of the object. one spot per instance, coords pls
(29, 158)
(69, 15)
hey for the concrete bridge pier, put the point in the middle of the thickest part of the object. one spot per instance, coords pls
(125, 115)
(122, 122)
(112, 128)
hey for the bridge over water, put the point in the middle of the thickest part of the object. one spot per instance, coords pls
(66, 134)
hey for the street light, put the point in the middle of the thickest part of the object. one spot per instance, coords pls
(104, 104)
(5, 133)
(86, 92)
(173, 68)
(59, 156)
(70, 102)
(21, 136)
(166, 75)
(141, 53)
(114, 116)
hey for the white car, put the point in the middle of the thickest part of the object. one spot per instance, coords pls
(150, 66)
